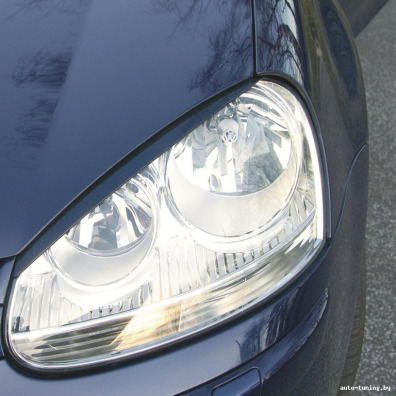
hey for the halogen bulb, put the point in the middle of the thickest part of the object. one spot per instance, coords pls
(228, 130)
(240, 150)
(116, 224)
(111, 240)
(245, 156)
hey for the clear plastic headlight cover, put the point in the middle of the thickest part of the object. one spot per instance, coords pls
(221, 221)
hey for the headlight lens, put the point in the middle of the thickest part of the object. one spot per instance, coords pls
(219, 222)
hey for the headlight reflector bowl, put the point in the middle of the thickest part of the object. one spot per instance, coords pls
(218, 223)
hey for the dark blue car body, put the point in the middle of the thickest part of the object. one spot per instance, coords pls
(91, 92)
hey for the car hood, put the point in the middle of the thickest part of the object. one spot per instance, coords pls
(85, 83)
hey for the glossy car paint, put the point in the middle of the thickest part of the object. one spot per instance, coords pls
(146, 79)
(132, 69)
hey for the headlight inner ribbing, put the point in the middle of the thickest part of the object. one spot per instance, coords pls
(221, 221)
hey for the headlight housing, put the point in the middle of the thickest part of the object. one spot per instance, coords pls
(221, 221)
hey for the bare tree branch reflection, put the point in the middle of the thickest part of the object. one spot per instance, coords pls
(278, 38)
(45, 68)
(43, 73)
(185, 13)
(231, 48)
(37, 75)
(230, 41)
(46, 7)
(34, 125)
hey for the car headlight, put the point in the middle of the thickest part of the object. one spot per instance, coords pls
(221, 221)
